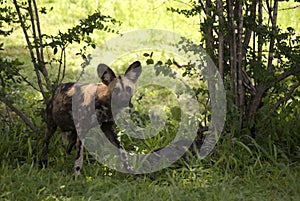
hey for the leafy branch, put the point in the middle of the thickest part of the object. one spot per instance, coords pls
(26, 14)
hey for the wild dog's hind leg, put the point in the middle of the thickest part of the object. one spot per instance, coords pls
(107, 128)
(64, 140)
(72, 141)
(79, 155)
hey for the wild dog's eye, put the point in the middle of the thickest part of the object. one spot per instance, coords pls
(117, 90)
(128, 89)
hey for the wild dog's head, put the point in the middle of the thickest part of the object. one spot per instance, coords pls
(119, 88)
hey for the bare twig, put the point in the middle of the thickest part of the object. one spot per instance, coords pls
(248, 84)
(178, 65)
(39, 32)
(34, 31)
(20, 114)
(29, 83)
(33, 58)
(64, 68)
(41, 52)
(203, 7)
(290, 8)
(59, 65)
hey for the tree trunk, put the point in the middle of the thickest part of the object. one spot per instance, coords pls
(232, 49)
(274, 31)
(254, 104)
(240, 86)
(220, 38)
(209, 31)
(260, 39)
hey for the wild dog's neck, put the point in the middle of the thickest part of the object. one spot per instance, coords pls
(104, 92)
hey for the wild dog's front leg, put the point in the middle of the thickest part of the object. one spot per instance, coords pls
(79, 156)
(107, 128)
(50, 129)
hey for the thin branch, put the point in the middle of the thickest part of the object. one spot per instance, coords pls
(44, 70)
(163, 3)
(203, 7)
(269, 10)
(39, 31)
(20, 114)
(29, 83)
(287, 73)
(248, 84)
(64, 68)
(24, 30)
(39, 63)
(290, 8)
(59, 66)
(33, 58)
(33, 31)
(178, 65)
(288, 95)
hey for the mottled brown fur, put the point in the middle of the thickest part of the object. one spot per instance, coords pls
(88, 98)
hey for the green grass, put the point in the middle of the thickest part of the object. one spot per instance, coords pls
(26, 182)
(232, 172)
(244, 174)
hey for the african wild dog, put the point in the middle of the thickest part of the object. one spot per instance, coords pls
(59, 110)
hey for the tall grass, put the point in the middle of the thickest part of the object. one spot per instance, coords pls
(245, 174)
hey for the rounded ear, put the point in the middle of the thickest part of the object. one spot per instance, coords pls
(134, 71)
(105, 74)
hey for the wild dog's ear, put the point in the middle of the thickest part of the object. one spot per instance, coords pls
(105, 74)
(134, 71)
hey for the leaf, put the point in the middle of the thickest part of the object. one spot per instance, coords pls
(55, 50)
(169, 62)
(149, 61)
(43, 10)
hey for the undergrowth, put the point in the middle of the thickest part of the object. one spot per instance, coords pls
(234, 171)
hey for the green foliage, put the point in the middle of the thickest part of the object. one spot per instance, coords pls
(9, 69)
(14, 77)
(7, 17)
(277, 73)
(193, 11)
(9, 75)
(82, 32)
